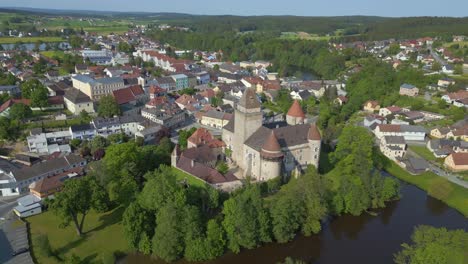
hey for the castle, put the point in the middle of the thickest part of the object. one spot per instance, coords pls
(265, 153)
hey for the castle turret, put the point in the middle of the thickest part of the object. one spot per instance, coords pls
(295, 114)
(175, 155)
(272, 157)
(315, 142)
(247, 120)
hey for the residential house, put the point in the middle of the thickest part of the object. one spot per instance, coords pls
(188, 102)
(391, 110)
(23, 177)
(51, 142)
(440, 132)
(130, 95)
(12, 90)
(181, 81)
(371, 106)
(97, 56)
(152, 134)
(373, 120)
(408, 90)
(83, 132)
(341, 100)
(76, 102)
(167, 83)
(447, 69)
(457, 162)
(213, 118)
(168, 115)
(445, 82)
(409, 132)
(393, 147)
(455, 98)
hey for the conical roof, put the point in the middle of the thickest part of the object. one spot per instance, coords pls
(271, 148)
(314, 133)
(296, 110)
(249, 99)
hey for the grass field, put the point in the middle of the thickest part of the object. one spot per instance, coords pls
(103, 236)
(456, 198)
(423, 152)
(302, 35)
(53, 53)
(13, 40)
(180, 175)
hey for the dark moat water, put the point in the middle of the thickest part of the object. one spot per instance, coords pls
(352, 239)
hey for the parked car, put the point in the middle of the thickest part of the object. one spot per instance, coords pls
(19, 251)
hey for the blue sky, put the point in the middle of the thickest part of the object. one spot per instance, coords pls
(393, 8)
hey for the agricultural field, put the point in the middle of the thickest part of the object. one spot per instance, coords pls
(13, 40)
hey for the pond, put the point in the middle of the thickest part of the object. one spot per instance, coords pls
(31, 46)
(352, 239)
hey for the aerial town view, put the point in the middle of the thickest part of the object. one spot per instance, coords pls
(151, 132)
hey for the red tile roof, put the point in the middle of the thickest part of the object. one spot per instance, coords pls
(313, 133)
(200, 136)
(154, 89)
(271, 148)
(460, 158)
(128, 94)
(389, 128)
(11, 102)
(296, 110)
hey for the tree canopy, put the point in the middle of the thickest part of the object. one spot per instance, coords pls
(108, 107)
(76, 199)
(431, 245)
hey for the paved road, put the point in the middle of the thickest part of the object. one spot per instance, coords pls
(7, 204)
(436, 56)
(442, 173)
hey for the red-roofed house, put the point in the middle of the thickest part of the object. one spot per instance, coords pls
(129, 95)
(391, 110)
(457, 161)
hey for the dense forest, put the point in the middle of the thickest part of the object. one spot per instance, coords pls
(351, 28)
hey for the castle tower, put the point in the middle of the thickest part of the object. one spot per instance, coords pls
(271, 158)
(247, 120)
(295, 114)
(315, 141)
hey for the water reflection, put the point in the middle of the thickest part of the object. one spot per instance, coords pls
(352, 239)
(435, 206)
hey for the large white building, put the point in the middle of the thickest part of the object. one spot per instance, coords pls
(408, 132)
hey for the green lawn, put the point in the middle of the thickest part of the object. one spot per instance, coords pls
(423, 152)
(103, 236)
(194, 181)
(53, 53)
(13, 40)
(456, 198)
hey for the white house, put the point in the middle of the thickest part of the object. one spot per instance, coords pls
(409, 132)
(28, 205)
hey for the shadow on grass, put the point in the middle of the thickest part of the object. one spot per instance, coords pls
(89, 259)
(109, 219)
(73, 244)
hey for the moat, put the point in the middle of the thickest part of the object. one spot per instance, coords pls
(352, 239)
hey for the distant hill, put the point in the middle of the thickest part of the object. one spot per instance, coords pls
(352, 27)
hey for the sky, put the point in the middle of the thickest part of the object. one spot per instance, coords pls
(389, 8)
